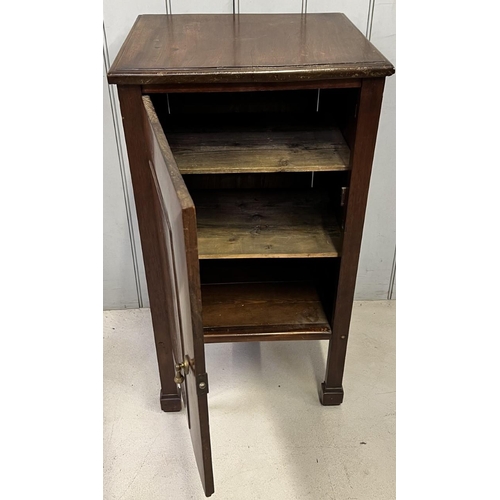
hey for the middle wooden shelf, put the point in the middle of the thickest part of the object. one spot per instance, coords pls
(266, 224)
(257, 143)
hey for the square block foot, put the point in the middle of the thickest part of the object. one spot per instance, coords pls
(332, 396)
(170, 402)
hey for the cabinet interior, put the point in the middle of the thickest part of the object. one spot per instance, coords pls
(268, 173)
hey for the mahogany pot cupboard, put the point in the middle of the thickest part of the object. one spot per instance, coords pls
(250, 140)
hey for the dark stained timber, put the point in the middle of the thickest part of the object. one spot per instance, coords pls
(263, 311)
(248, 48)
(250, 163)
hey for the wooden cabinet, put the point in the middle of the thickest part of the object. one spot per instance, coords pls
(250, 140)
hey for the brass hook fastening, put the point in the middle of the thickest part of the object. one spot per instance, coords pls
(179, 377)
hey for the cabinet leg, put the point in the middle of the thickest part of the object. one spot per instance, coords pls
(369, 103)
(170, 397)
(332, 392)
(153, 244)
(170, 402)
(331, 396)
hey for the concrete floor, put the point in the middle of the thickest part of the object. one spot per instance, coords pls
(271, 438)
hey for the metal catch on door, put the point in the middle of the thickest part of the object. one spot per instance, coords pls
(179, 377)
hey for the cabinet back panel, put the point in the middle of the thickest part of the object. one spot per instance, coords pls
(248, 181)
(296, 101)
(266, 270)
(332, 182)
(337, 103)
(342, 105)
(321, 272)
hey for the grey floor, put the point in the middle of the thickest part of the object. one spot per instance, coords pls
(271, 438)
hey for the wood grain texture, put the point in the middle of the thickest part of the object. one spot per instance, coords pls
(246, 48)
(179, 231)
(262, 311)
(266, 224)
(249, 149)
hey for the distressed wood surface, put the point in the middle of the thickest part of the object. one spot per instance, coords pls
(248, 149)
(179, 231)
(263, 311)
(246, 48)
(266, 224)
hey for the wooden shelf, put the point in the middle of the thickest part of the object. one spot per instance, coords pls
(262, 311)
(298, 146)
(265, 224)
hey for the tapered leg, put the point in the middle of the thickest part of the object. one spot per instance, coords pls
(151, 240)
(370, 100)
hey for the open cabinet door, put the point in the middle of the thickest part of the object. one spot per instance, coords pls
(177, 220)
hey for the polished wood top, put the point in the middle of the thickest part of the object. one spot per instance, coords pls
(226, 48)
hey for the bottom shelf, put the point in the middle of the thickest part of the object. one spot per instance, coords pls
(262, 311)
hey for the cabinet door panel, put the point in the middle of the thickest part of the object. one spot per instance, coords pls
(181, 271)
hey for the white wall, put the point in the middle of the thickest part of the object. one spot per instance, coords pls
(120, 287)
(379, 237)
(124, 280)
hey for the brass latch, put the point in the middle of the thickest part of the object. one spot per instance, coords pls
(179, 377)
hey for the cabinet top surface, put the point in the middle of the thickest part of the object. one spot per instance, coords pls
(222, 48)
